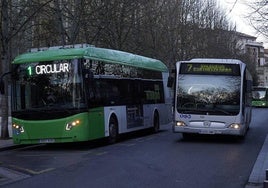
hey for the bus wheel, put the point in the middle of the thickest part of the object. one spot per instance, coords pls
(156, 123)
(113, 130)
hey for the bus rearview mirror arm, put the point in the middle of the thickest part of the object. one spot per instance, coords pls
(249, 85)
(170, 81)
(2, 83)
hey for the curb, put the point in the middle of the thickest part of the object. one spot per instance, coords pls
(258, 173)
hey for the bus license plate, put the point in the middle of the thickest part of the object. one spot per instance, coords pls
(49, 140)
(207, 132)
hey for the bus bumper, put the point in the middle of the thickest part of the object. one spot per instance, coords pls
(206, 130)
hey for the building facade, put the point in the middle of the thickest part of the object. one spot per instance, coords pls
(258, 56)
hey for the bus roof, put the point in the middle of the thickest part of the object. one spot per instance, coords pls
(259, 87)
(214, 60)
(94, 53)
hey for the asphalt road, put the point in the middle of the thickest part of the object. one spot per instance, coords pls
(147, 160)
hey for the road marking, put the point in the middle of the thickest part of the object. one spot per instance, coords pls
(31, 171)
(100, 153)
(130, 144)
(9, 176)
(150, 138)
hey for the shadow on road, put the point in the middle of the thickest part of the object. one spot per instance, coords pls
(87, 145)
(212, 138)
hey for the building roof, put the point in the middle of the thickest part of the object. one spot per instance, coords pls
(243, 35)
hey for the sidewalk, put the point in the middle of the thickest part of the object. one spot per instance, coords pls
(258, 173)
(6, 143)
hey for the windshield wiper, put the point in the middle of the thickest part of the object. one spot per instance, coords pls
(203, 111)
(192, 111)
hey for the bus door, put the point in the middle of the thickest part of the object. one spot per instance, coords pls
(95, 100)
(135, 109)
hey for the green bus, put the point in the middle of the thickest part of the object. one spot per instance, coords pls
(260, 96)
(81, 92)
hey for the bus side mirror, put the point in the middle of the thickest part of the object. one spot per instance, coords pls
(2, 84)
(170, 81)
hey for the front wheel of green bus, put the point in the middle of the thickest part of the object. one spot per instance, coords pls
(113, 130)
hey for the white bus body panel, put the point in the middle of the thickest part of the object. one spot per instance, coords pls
(203, 124)
(214, 124)
(148, 113)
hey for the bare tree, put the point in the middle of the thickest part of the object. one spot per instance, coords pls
(169, 30)
(12, 24)
(5, 38)
(259, 16)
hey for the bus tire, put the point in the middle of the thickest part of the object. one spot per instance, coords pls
(113, 130)
(156, 124)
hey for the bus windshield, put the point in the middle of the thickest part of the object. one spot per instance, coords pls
(54, 84)
(259, 94)
(208, 94)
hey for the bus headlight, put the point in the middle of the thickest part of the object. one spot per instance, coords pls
(235, 126)
(72, 124)
(180, 124)
(18, 128)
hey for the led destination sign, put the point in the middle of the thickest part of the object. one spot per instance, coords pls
(209, 68)
(49, 69)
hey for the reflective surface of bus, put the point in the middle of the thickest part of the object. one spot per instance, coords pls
(85, 93)
(212, 96)
(260, 96)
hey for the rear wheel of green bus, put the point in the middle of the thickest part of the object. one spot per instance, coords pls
(113, 130)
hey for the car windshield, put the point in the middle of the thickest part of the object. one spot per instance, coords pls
(208, 94)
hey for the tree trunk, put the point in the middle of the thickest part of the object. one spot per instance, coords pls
(4, 69)
(4, 115)
(60, 21)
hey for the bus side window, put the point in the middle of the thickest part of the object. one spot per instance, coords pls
(125, 92)
(108, 92)
(113, 94)
(153, 92)
(98, 93)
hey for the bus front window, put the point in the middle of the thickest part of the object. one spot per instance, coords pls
(208, 94)
(55, 84)
(258, 95)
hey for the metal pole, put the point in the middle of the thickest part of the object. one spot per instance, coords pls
(265, 183)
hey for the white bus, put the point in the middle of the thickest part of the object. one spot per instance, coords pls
(212, 96)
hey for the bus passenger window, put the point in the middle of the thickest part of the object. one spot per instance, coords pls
(114, 96)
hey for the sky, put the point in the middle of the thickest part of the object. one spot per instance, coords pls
(237, 10)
